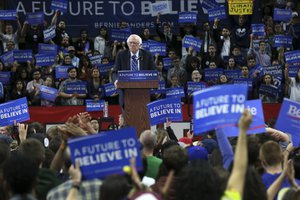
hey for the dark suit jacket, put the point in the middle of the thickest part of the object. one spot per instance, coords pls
(123, 62)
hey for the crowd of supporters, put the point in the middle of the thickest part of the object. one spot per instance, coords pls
(36, 164)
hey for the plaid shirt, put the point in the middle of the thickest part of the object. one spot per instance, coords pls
(88, 190)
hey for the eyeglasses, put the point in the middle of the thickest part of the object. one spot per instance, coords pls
(131, 43)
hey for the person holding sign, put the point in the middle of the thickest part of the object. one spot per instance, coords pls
(33, 36)
(10, 35)
(71, 99)
(268, 93)
(261, 55)
(166, 36)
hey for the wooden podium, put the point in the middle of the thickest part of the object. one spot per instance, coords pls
(136, 98)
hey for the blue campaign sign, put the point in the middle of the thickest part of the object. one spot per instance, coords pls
(269, 90)
(258, 122)
(107, 153)
(282, 15)
(44, 59)
(240, 59)
(48, 93)
(160, 110)
(257, 68)
(293, 70)
(209, 4)
(1, 90)
(167, 63)
(161, 88)
(195, 86)
(5, 78)
(47, 48)
(7, 58)
(76, 87)
(187, 17)
(61, 72)
(258, 29)
(218, 12)
(175, 92)
(8, 14)
(212, 74)
(283, 41)
(105, 68)
(92, 105)
(109, 89)
(160, 7)
(120, 35)
(292, 57)
(35, 18)
(146, 75)
(146, 44)
(233, 74)
(96, 59)
(22, 55)
(158, 48)
(16, 110)
(189, 41)
(61, 5)
(289, 120)
(49, 33)
(274, 70)
(245, 81)
(218, 107)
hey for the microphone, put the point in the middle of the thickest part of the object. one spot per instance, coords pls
(140, 58)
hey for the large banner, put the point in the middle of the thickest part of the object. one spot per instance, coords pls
(218, 107)
(289, 119)
(14, 111)
(107, 153)
(91, 14)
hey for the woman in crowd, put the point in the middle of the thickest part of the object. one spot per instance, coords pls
(94, 85)
(49, 82)
(19, 91)
(101, 42)
(268, 95)
(84, 68)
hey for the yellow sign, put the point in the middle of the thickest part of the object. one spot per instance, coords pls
(240, 7)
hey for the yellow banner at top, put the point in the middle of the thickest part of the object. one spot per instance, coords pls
(240, 7)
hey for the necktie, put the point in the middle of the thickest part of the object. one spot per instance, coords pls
(134, 63)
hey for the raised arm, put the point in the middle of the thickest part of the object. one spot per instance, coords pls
(75, 173)
(24, 29)
(237, 177)
(54, 18)
(225, 148)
